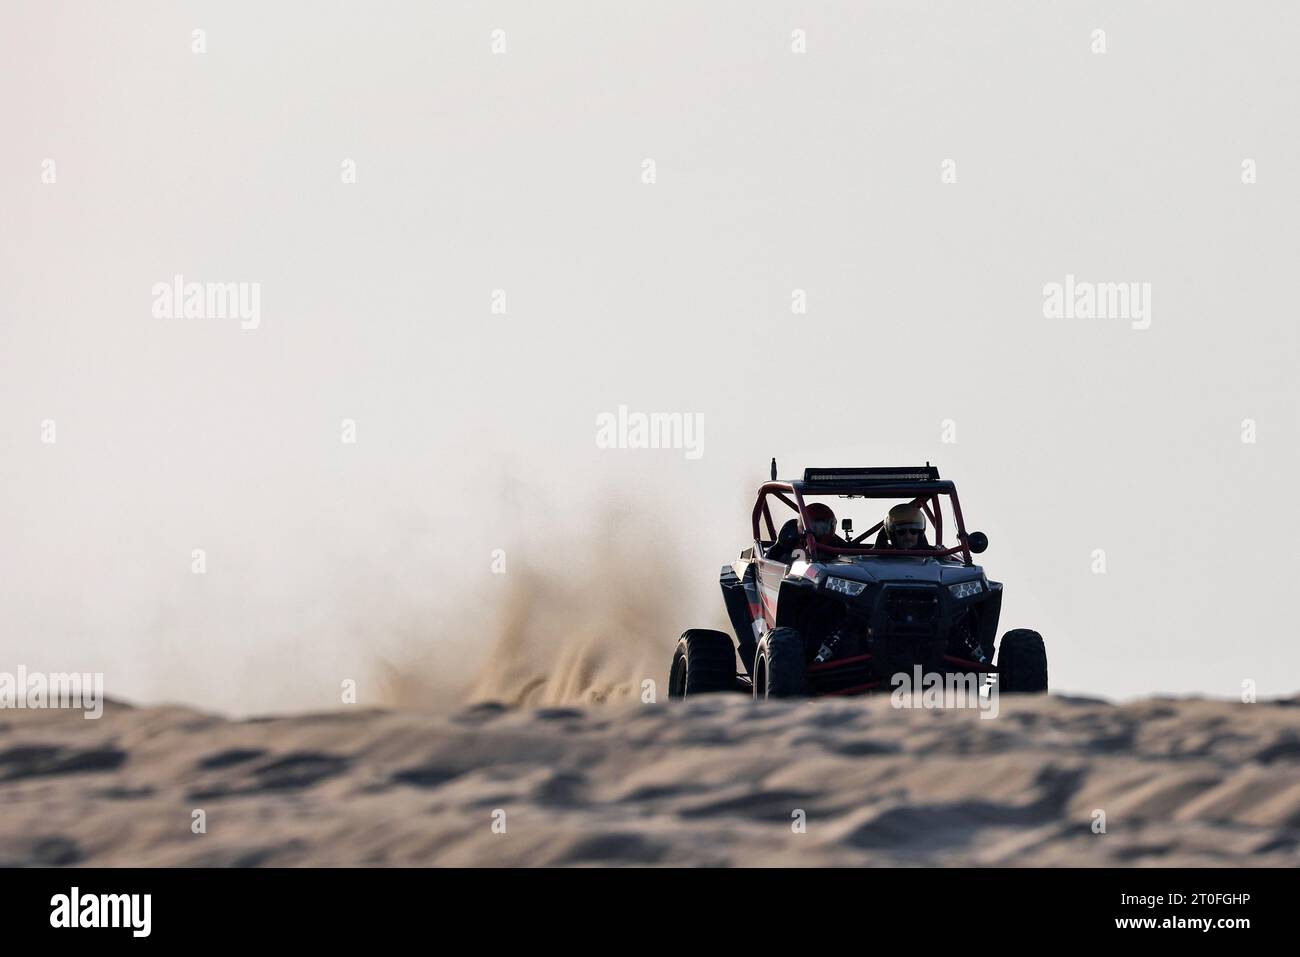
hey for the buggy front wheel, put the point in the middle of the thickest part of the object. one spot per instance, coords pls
(1022, 663)
(779, 666)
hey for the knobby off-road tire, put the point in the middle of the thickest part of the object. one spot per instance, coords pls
(779, 666)
(704, 662)
(1022, 663)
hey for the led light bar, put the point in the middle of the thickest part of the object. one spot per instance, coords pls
(876, 476)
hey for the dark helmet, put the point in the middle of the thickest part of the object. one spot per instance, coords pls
(821, 521)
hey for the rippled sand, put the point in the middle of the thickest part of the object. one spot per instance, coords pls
(718, 781)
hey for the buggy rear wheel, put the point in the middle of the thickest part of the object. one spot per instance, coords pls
(779, 666)
(704, 662)
(1022, 662)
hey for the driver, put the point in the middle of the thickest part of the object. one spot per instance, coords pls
(821, 522)
(905, 527)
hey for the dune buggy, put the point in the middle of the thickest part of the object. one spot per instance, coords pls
(841, 615)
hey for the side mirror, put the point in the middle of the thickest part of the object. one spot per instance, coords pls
(847, 525)
(977, 541)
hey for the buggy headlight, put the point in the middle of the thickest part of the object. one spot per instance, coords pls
(966, 589)
(844, 586)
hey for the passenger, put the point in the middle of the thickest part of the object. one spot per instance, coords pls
(905, 528)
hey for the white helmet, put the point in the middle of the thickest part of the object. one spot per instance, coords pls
(904, 517)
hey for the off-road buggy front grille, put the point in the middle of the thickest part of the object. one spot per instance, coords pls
(912, 610)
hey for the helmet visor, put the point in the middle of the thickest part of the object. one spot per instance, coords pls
(822, 527)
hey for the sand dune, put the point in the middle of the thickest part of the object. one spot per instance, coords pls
(715, 781)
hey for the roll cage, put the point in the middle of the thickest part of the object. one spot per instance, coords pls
(925, 495)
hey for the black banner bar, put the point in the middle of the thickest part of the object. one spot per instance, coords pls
(330, 906)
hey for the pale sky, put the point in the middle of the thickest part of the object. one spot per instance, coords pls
(523, 171)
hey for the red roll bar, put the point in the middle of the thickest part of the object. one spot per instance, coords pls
(929, 503)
